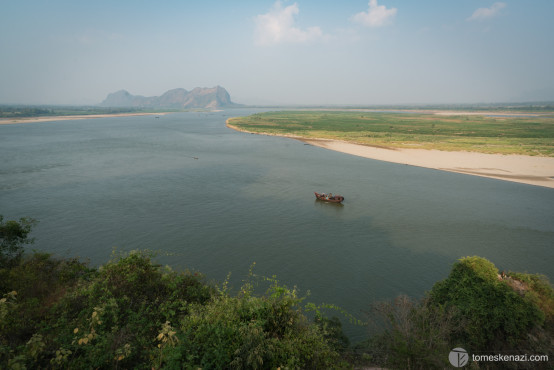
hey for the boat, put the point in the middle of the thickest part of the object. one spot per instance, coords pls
(327, 198)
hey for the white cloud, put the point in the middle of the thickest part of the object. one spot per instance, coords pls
(486, 13)
(376, 15)
(278, 26)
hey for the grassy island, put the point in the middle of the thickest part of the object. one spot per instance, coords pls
(529, 134)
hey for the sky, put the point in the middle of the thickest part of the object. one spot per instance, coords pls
(303, 52)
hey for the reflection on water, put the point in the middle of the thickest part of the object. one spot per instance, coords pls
(133, 182)
(337, 207)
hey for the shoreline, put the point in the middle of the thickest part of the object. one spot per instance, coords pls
(438, 112)
(538, 171)
(12, 121)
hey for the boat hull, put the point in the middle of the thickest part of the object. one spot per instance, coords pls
(323, 197)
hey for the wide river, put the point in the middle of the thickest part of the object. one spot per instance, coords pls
(215, 200)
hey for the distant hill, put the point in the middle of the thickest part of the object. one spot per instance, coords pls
(199, 97)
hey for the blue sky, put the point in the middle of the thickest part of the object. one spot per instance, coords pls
(279, 52)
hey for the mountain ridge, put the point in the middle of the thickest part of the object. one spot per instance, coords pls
(199, 97)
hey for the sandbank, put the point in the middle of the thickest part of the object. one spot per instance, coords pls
(517, 168)
(9, 121)
(529, 170)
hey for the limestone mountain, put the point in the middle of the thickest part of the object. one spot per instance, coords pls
(199, 97)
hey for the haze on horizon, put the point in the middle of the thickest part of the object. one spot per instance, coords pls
(279, 52)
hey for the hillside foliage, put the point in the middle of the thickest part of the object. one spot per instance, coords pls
(134, 313)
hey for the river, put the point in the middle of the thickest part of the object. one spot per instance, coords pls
(211, 199)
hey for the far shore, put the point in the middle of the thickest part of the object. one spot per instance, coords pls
(10, 121)
(530, 170)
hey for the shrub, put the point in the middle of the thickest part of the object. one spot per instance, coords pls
(415, 334)
(123, 307)
(39, 281)
(249, 332)
(131, 313)
(13, 235)
(537, 289)
(493, 312)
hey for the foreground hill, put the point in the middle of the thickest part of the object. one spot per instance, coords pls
(132, 313)
(199, 97)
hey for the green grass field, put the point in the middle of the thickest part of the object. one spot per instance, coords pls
(478, 133)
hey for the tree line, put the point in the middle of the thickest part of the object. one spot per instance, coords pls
(23, 111)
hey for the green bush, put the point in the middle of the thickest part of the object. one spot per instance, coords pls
(537, 289)
(13, 235)
(132, 313)
(493, 312)
(39, 281)
(116, 317)
(249, 332)
(416, 334)
(475, 308)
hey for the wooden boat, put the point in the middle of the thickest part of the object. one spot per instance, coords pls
(325, 197)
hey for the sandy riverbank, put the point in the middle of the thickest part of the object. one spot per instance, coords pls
(518, 168)
(10, 121)
(530, 170)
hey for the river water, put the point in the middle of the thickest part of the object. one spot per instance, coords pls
(215, 200)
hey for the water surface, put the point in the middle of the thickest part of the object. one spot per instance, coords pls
(135, 183)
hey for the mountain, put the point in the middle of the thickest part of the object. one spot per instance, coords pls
(199, 97)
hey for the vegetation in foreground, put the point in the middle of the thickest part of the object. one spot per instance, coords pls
(133, 313)
(478, 133)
